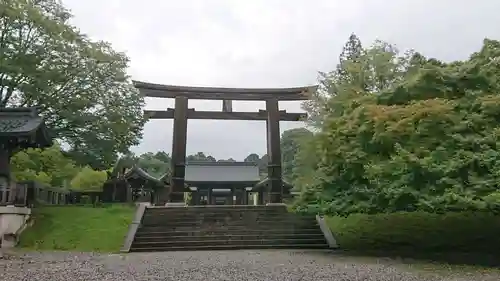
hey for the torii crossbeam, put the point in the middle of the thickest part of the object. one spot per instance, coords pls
(181, 113)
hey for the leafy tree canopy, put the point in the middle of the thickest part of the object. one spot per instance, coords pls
(81, 85)
(291, 142)
(88, 179)
(48, 166)
(403, 132)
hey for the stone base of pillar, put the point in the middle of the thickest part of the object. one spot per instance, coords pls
(275, 204)
(175, 204)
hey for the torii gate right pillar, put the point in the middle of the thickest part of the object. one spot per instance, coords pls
(274, 152)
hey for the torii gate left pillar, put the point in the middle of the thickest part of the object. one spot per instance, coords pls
(178, 161)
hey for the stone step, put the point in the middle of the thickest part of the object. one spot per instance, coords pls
(179, 221)
(212, 210)
(225, 228)
(225, 224)
(162, 231)
(228, 247)
(213, 213)
(199, 242)
(221, 207)
(227, 237)
(183, 216)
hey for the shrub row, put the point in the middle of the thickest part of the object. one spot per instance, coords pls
(419, 232)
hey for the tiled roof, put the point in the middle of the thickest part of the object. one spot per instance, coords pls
(221, 164)
(230, 172)
(16, 122)
(138, 172)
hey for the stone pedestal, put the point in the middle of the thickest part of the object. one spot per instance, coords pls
(12, 223)
(175, 204)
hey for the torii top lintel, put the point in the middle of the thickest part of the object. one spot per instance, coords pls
(212, 93)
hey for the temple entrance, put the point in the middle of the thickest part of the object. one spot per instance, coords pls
(181, 113)
(221, 183)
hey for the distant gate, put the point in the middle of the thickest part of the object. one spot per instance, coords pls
(181, 113)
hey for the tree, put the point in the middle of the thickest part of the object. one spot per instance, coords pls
(49, 166)
(291, 140)
(81, 86)
(226, 160)
(153, 164)
(424, 137)
(252, 157)
(163, 156)
(264, 160)
(359, 72)
(200, 157)
(89, 180)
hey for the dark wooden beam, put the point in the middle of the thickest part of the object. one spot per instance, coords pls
(212, 93)
(178, 165)
(227, 106)
(274, 172)
(217, 115)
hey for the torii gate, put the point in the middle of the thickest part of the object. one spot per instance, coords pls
(181, 113)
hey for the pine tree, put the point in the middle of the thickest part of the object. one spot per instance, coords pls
(350, 57)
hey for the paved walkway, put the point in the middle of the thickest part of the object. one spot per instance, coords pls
(266, 265)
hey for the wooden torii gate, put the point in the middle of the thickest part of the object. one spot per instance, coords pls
(181, 113)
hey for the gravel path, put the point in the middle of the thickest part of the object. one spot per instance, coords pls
(221, 265)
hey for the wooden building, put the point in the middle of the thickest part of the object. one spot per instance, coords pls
(132, 185)
(20, 128)
(221, 183)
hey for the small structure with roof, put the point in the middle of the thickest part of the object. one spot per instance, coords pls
(20, 128)
(221, 183)
(129, 183)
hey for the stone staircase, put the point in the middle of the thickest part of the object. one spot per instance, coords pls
(226, 228)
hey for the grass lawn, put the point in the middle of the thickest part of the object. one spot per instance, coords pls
(77, 228)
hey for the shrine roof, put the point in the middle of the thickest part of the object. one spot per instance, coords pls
(136, 172)
(222, 163)
(222, 172)
(266, 181)
(120, 164)
(21, 122)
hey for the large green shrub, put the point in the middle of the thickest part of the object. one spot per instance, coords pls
(419, 232)
(398, 133)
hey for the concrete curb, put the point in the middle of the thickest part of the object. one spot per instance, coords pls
(132, 229)
(332, 243)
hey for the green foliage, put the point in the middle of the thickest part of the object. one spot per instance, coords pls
(252, 157)
(200, 157)
(78, 228)
(48, 166)
(156, 165)
(86, 97)
(404, 133)
(291, 143)
(419, 233)
(88, 179)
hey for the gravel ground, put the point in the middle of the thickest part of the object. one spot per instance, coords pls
(207, 266)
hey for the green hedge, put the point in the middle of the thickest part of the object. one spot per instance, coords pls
(419, 232)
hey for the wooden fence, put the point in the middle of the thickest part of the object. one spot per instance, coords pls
(30, 193)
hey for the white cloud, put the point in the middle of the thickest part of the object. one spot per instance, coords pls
(265, 43)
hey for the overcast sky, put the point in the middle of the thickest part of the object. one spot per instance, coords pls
(265, 43)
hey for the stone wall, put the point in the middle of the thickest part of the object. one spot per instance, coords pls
(13, 220)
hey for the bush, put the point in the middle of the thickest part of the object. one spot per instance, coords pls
(419, 233)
